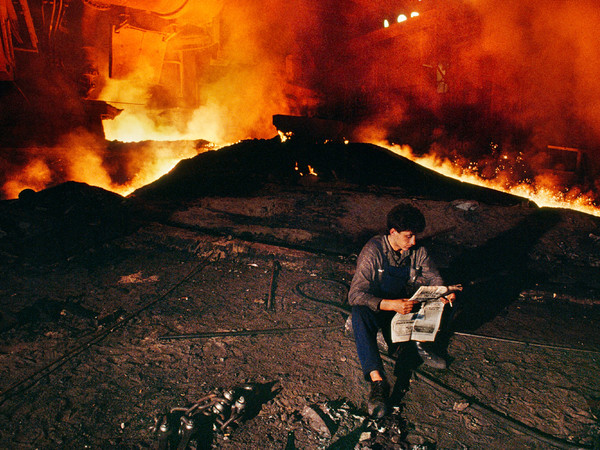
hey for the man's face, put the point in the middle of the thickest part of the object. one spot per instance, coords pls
(402, 240)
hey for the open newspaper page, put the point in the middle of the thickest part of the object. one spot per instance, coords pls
(424, 324)
(430, 293)
(427, 322)
(402, 327)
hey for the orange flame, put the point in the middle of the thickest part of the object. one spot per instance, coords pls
(164, 156)
(35, 175)
(540, 192)
(81, 159)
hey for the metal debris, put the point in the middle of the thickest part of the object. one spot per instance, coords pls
(465, 205)
(218, 412)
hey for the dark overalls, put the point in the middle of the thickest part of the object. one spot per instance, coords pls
(366, 322)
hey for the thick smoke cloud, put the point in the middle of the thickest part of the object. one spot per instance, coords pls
(550, 50)
(520, 76)
(517, 76)
(541, 57)
(247, 81)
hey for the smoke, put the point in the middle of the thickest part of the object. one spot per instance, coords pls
(539, 57)
(549, 50)
(234, 95)
(83, 157)
(546, 57)
(468, 80)
(241, 89)
(74, 157)
(490, 82)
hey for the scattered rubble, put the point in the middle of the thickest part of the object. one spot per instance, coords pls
(149, 304)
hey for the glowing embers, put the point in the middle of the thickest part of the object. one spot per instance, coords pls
(284, 136)
(541, 189)
(309, 170)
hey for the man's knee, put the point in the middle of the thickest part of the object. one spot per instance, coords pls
(364, 322)
(361, 313)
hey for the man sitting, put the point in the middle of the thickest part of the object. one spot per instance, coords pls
(389, 268)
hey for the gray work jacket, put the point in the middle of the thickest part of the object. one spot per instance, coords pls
(378, 263)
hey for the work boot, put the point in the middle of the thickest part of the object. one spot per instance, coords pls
(429, 358)
(376, 405)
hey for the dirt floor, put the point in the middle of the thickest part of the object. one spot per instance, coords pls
(146, 311)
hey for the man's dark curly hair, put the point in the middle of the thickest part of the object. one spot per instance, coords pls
(405, 218)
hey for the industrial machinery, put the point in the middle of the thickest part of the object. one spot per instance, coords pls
(56, 57)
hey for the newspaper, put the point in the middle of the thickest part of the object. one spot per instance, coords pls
(424, 324)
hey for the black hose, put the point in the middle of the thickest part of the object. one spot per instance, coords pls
(175, 11)
(478, 406)
(337, 306)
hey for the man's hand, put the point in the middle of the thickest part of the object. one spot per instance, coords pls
(400, 305)
(450, 298)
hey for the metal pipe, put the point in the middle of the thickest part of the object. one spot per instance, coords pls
(195, 11)
(276, 268)
(213, 334)
(38, 375)
(528, 343)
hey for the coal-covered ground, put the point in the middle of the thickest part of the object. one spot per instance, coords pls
(232, 271)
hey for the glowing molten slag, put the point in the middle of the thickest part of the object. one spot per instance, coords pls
(137, 124)
(170, 141)
(539, 193)
(159, 159)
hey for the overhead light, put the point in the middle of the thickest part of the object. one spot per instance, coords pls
(386, 23)
(414, 14)
(402, 18)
